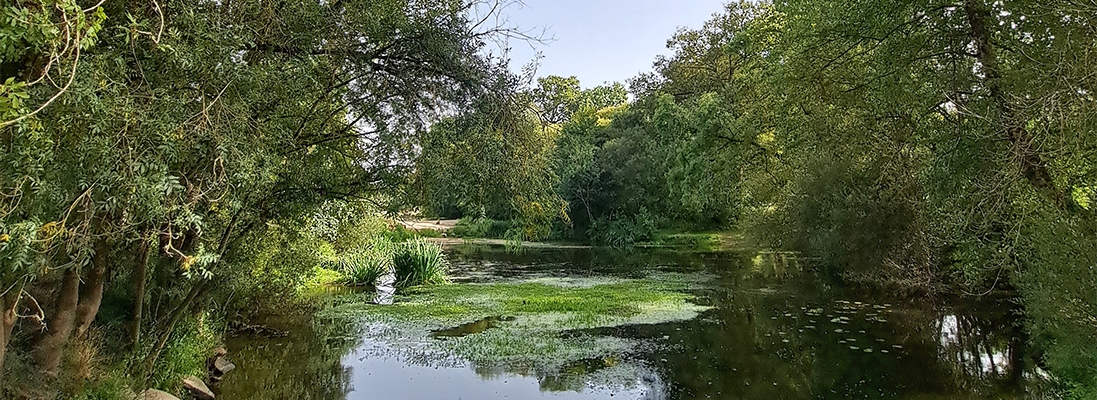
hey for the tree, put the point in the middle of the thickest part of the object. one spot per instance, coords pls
(491, 163)
(557, 98)
(189, 124)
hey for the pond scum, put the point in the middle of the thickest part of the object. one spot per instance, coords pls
(530, 327)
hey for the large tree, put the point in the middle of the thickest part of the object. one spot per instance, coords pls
(172, 129)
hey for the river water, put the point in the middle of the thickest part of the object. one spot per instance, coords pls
(776, 330)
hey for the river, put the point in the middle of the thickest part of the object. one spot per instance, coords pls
(774, 329)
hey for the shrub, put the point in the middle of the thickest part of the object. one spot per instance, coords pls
(192, 342)
(270, 261)
(419, 262)
(620, 231)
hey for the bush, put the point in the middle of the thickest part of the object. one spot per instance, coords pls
(620, 231)
(419, 262)
(192, 342)
(269, 262)
(1057, 280)
(364, 266)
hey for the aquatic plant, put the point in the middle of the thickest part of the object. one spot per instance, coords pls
(419, 262)
(364, 266)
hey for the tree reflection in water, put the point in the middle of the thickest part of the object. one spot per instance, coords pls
(306, 364)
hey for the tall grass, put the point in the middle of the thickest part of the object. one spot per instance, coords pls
(419, 262)
(364, 266)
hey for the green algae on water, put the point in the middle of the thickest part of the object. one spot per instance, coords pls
(533, 304)
(533, 328)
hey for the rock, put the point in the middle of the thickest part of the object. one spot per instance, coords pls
(197, 388)
(153, 394)
(128, 394)
(222, 366)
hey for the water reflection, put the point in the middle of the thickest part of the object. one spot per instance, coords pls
(305, 364)
(983, 346)
(385, 288)
(776, 331)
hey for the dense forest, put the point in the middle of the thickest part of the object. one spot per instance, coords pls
(164, 165)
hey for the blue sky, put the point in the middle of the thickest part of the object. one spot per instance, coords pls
(603, 40)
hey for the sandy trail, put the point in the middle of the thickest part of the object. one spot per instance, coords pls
(440, 225)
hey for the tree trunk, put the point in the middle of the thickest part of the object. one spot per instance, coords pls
(93, 289)
(1032, 166)
(52, 343)
(173, 319)
(139, 273)
(7, 322)
(183, 306)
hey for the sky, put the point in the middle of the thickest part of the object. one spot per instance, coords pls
(602, 41)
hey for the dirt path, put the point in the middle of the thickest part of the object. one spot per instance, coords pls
(440, 225)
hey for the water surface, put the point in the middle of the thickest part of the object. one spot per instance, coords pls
(776, 330)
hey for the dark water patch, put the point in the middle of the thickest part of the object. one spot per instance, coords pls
(470, 328)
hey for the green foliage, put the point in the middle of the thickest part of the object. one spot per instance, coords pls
(419, 262)
(1060, 301)
(347, 225)
(400, 234)
(274, 262)
(476, 228)
(238, 141)
(193, 343)
(362, 267)
(653, 156)
(491, 163)
(625, 230)
(855, 218)
(558, 98)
